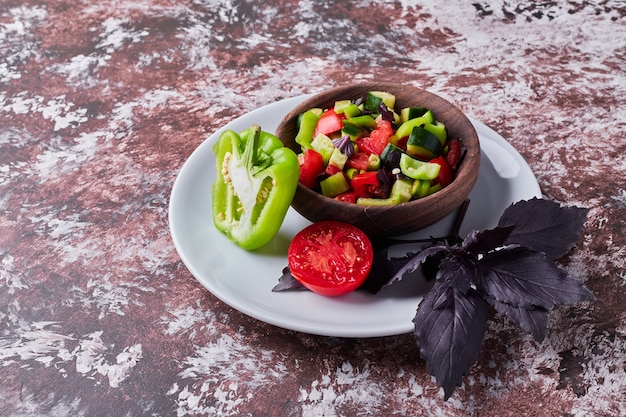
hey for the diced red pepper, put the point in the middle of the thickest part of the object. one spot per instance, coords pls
(329, 122)
(359, 160)
(311, 165)
(347, 197)
(445, 174)
(453, 157)
(366, 184)
(378, 138)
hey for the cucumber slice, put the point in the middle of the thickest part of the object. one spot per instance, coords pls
(352, 131)
(423, 144)
(374, 98)
(409, 113)
(340, 105)
(390, 156)
(405, 128)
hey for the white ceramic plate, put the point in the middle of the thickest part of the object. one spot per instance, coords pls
(244, 280)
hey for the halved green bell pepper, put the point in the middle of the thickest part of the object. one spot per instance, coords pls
(256, 179)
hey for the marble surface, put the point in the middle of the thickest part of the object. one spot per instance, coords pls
(101, 103)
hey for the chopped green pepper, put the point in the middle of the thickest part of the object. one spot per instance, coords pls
(256, 180)
(418, 170)
(306, 126)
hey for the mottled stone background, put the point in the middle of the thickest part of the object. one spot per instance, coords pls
(102, 102)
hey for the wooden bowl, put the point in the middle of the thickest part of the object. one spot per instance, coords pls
(393, 220)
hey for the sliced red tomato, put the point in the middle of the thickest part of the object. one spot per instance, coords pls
(328, 123)
(347, 197)
(330, 258)
(378, 138)
(366, 184)
(358, 160)
(445, 173)
(453, 156)
(311, 165)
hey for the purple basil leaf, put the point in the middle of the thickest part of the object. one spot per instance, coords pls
(544, 226)
(450, 338)
(532, 320)
(386, 180)
(413, 261)
(385, 113)
(454, 271)
(287, 282)
(383, 270)
(482, 242)
(524, 278)
(345, 145)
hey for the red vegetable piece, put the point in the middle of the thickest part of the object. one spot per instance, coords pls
(453, 156)
(330, 258)
(366, 184)
(377, 139)
(445, 174)
(347, 197)
(328, 123)
(358, 161)
(311, 165)
(332, 169)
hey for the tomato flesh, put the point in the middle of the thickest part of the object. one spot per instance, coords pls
(311, 165)
(330, 258)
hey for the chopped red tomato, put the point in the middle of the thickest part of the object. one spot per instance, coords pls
(332, 169)
(445, 173)
(311, 165)
(359, 160)
(347, 197)
(378, 138)
(330, 258)
(328, 123)
(366, 184)
(453, 157)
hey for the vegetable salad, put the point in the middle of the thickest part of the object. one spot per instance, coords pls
(362, 151)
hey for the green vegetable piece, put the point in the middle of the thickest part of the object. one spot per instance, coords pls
(433, 189)
(400, 193)
(352, 110)
(334, 185)
(409, 113)
(373, 162)
(307, 122)
(423, 144)
(405, 128)
(338, 159)
(352, 131)
(324, 145)
(390, 158)
(420, 188)
(374, 98)
(361, 121)
(418, 170)
(438, 129)
(351, 172)
(340, 106)
(256, 179)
